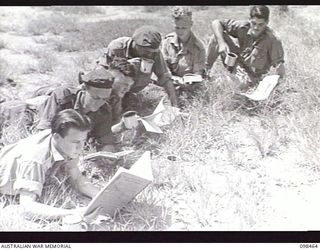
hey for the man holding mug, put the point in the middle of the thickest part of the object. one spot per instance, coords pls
(92, 99)
(258, 49)
(142, 49)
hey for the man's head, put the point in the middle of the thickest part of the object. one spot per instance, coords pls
(70, 130)
(147, 41)
(97, 88)
(123, 72)
(259, 19)
(182, 17)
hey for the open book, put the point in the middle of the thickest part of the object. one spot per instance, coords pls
(123, 187)
(187, 79)
(264, 89)
(106, 154)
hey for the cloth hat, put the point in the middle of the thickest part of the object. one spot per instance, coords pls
(98, 78)
(148, 37)
(182, 13)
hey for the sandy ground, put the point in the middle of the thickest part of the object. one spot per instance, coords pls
(287, 191)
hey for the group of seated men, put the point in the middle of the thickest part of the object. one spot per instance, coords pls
(71, 115)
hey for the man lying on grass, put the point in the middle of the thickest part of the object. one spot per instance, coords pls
(92, 99)
(25, 165)
(258, 48)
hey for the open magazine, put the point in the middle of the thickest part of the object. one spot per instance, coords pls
(264, 89)
(123, 187)
(187, 79)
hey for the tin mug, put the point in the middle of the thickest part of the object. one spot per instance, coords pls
(146, 66)
(231, 59)
(130, 119)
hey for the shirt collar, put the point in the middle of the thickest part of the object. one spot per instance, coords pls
(55, 153)
(128, 45)
(187, 45)
(260, 36)
(77, 103)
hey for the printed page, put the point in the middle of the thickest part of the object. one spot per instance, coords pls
(123, 187)
(106, 154)
(264, 88)
(192, 78)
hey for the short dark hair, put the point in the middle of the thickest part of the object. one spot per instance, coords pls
(122, 64)
(260, 11)
(69, 118)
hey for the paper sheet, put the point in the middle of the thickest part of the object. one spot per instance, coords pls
(161, 116)
(264, 89)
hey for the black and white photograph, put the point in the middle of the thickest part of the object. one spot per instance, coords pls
(159, 118)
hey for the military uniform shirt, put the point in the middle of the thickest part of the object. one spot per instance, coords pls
(258, 54)
(189, 58)
(23, 165)
(120, 47)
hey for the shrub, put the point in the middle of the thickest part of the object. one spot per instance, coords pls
(55, 24)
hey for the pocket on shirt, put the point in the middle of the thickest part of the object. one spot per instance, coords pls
(259, 57)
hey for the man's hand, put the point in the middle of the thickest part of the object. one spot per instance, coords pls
(170, 89)
(223, 47)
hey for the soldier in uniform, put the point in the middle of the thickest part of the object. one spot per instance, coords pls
(182, 50)
(258, 48)
(92, 99)
(143, 50)
(26, 165)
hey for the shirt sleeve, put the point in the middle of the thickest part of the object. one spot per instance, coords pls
(233, 27)
(161, 70)
(276, 53)
(164, 50)
(30, 176)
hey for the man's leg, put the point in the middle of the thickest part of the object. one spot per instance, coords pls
(213, 49)
(212, 52)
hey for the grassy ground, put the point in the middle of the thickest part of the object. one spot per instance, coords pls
(240, 166)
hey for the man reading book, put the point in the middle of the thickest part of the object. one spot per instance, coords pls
(182, 50)
(26, 165)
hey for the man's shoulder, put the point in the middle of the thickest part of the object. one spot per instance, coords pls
(65, 91)
(198, 43)
(119, 43)
(36, 147)
(271, 34)
(241, 24)
(170, 36)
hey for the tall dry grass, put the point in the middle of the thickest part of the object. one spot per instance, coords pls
(217, 181)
